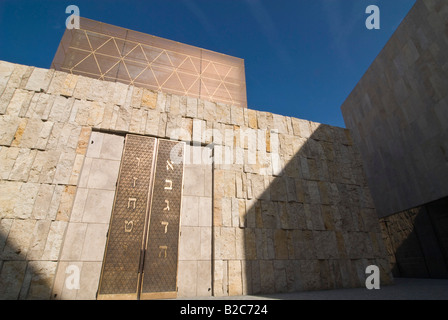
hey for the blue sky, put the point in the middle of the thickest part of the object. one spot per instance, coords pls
(302, 57)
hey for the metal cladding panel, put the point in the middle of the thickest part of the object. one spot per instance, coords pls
(111, 53)
(125, 239)
(141, 256)
(161, 258)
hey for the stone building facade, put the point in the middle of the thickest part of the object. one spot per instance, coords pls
(398, 115)
(270, 203)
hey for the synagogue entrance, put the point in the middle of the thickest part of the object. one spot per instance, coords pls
(141, 256)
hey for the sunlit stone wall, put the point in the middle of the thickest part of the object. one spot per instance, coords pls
(271, 203)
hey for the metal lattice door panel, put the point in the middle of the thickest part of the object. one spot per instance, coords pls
(144, 229)
(160, 267)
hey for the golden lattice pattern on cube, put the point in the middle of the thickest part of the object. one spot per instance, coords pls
(111, 53)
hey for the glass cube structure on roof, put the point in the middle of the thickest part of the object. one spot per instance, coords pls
(106, 52)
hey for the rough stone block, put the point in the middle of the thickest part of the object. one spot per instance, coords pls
(19, 240)
(5, 98)
(267, 276)
(152, 122)
(192, 107)
(39, 277)
(278, 189)
(8, 157)
(235, 281)
(43, 201)
(22, 165)
(11, 279)
(69, 85)
(54, 240)
(64, 167)
(6, 69)
(227, 243)
(237, 116)
(44, 135)
(83, 88)
(283, 216)
(39, 239)
(57, 82)
(61, 110)
(258, 189)
(40, 106)
(222, 113)
(261, 243)
(19, 133)
(162, 125)
(119, 93)
(123, 118)
(96, 114)
(279, 123)
(29, 134)
(325, 242)
(252, 118)
(148, 99)
(66, 202)
(161, 102)
(280, 244)
(39, 80)
(83, 141)
(250, 244)
(240, 244)
(209, 111)
(44, 166)
(19, 103)
(136, 119)
(223, 209)
(235, 216)
(269, 214)
(220, 279)
(23, 207)
(255, 279)
(280, 276)
(229, 184)
(265, 120)
(9, 126)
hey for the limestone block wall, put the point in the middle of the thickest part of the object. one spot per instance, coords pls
(399, 110)
(299, 218)
(195, 243)
(86, 232)
(417, 241)
(85, 239)
(283, 204)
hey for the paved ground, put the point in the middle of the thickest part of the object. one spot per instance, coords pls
(402, 289)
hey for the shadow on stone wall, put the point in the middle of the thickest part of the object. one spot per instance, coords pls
(314, 227)
(416, 241)
(311, 227)
(20, 277)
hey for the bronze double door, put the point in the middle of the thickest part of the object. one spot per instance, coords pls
(141, 256)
